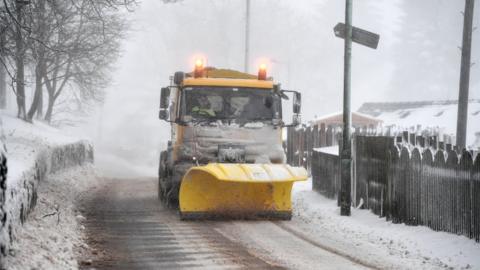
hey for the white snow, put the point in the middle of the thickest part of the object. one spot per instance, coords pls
(371, 239)
(52, 237)
(443, 117)
(24, 140)
(332, 150)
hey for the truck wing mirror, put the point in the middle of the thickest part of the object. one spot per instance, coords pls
(163, 114)
(297, 102)
(164, 101)
(296, 120)
(164, 98)
(297, 105)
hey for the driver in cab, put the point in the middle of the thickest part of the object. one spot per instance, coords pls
(203, 108)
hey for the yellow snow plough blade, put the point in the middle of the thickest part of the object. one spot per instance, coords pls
(240, 191)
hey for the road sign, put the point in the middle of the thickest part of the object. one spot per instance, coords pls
(359, 36)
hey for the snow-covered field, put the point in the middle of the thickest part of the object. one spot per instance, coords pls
(52, 237)
(371, 239)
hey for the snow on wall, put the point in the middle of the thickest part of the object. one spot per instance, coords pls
(29, 162)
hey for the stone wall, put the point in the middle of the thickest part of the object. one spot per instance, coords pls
(18, 199)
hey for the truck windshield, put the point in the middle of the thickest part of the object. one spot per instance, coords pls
(242, 104)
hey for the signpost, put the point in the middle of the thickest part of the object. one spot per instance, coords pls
(359, 36)
(363, 37)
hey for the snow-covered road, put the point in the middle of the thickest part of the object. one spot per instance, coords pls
(129, 229)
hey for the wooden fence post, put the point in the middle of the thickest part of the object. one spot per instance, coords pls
(405, 137)
(452, 191)
(465, 181)
(308, 147)
(413, 139)
(289, 144)
(402, 187)
(426, 186)
(441, 145)
(440, 194)
(323, 135)
(421, 141)
(475, 191)
(329, 136)
(301, 144)
(415, 187)
(393, 161)
(434, 142)
(316, 141)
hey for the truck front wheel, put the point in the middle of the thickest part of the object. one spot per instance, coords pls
(162, 176)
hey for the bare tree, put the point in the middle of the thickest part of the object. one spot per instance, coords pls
(70, 44)
(3, 74)
(40, 29)
(5, 51)
(87, 45)
(20, 59)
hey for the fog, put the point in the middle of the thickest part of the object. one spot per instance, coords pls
(418, 58)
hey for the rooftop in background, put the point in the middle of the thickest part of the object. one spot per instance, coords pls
(336, 119)
(427, 114)
(377, 108)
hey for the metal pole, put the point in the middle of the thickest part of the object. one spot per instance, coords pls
(346, 155)
(465, 75)
(247, 36)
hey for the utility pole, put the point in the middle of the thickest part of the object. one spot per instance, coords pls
(369, 39)
(247, 36)
(346, 155)
(462, 115)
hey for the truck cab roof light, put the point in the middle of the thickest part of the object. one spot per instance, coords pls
(198, 72)
(262, 72)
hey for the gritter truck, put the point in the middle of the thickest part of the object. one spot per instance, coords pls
(225, 157)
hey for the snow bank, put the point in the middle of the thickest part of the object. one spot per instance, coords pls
(33, 152)
(52, 238)
(332, 150)
(371, 239)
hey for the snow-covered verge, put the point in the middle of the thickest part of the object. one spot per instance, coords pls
(33, 152)
(52, 236)
(368, 238)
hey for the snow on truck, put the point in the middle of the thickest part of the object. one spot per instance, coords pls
(225, 156)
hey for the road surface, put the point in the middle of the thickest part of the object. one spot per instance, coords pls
(130, 229)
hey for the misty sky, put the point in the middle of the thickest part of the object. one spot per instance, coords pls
(298, 37)
(418, 57)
